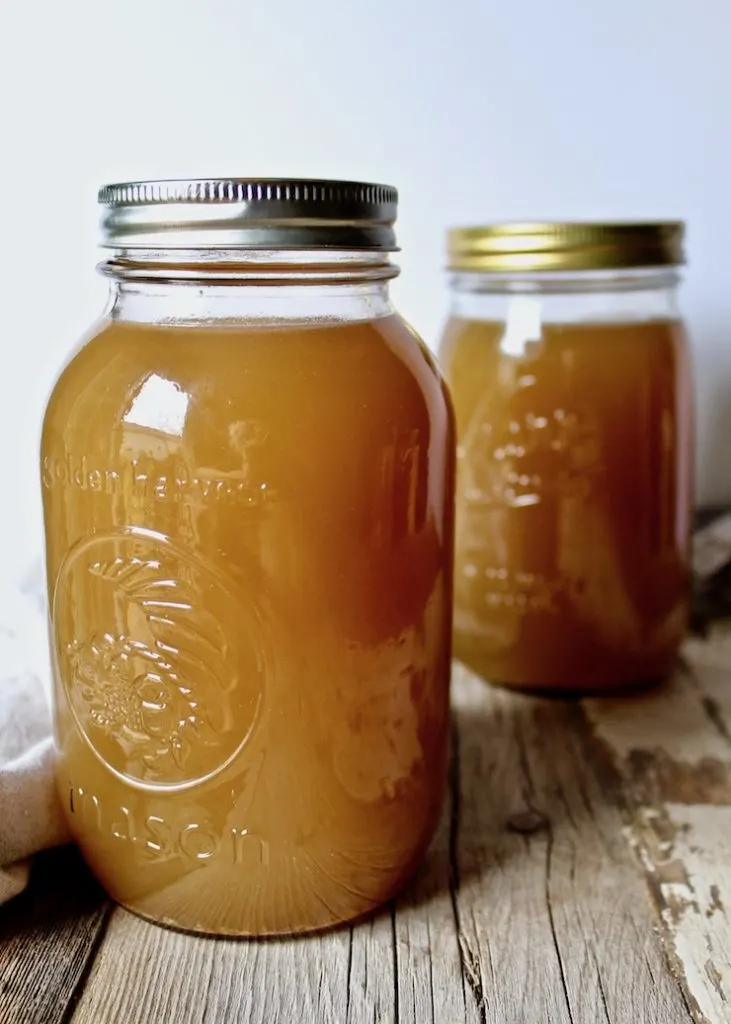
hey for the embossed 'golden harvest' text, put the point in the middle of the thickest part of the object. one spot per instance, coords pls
(142, 479)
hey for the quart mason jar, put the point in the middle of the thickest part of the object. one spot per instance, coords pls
(570, 376)
(247, 472)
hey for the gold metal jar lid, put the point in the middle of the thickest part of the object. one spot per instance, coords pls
(531, 247)
(249, 213)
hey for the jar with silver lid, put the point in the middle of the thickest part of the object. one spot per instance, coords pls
(247, 473)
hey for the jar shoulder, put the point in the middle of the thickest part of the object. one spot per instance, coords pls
(171, 378)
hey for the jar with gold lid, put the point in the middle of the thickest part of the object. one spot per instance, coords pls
(569, 369)
(247, 472)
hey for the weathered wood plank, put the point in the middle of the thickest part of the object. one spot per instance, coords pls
(673, 748)
(371, 978)
(147, 975)
(432, 985)
(48, 936)
(553, 910)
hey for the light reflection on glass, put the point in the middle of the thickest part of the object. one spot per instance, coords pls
(523, 325)
(159, 405)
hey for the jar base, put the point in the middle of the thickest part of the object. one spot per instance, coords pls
(170, 925)
(232, 921)
(601, 685)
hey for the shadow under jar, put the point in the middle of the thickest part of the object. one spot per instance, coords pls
(247, 473)
(570, 376)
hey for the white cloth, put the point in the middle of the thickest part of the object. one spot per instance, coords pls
(30, 814)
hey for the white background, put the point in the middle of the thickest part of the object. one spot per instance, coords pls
(476, 109)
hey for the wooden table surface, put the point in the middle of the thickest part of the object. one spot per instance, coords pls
(582, 874)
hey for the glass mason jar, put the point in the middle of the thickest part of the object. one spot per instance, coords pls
(247, 473)
(570, 376)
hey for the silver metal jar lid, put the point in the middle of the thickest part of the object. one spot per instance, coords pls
(249, 213)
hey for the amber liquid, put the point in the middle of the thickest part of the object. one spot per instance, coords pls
(573, 501)
(249, 540)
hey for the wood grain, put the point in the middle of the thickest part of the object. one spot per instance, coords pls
(554, 919)
(146, 975)
(48, 938)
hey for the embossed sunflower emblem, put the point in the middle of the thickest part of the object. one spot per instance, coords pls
(132, 691)
(161, 661)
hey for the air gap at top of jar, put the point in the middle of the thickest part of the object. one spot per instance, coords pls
(570, 377)
(247, 474)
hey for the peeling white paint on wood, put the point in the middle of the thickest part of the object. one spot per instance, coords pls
(673, 749)
(671, 719)
(711, 546)
(696, 904)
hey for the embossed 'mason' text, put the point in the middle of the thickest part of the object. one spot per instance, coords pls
(142, 479)
(195, 841)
